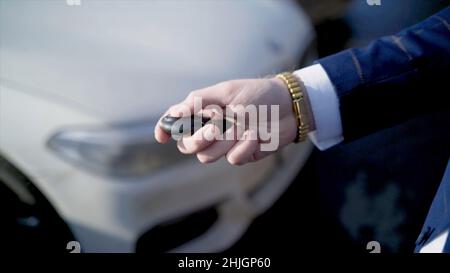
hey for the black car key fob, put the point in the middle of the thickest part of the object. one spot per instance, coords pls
(188, 125)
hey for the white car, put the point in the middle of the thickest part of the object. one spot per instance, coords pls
(82, 84)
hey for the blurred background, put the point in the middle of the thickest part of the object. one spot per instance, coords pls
(82, 84)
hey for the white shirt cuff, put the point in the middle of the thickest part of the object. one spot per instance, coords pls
(324, 105)
(437, 245)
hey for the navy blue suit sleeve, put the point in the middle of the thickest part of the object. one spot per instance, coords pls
(394, 78)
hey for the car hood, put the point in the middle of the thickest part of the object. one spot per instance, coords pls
(126, 60)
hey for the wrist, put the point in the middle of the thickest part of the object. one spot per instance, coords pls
(284, 97)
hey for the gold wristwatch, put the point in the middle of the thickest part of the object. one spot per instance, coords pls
(299, 104)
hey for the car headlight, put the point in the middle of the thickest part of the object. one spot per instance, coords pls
(121, 150)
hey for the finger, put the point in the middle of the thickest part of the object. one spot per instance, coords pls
(258, 155)
(201, 139)
(242, 152)
(175, 111)
(261, 153)
(284, 137)
(212, 112)
(221, 146)
(160, 135)
(215, 151)
(179, 110)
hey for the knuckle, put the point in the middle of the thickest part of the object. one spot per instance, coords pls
(172, 109)
(190, 96)
(227, 86)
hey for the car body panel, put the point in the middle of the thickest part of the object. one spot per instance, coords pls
(100, 64)
(156, 51)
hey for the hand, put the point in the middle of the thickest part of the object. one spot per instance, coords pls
(245, 146)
